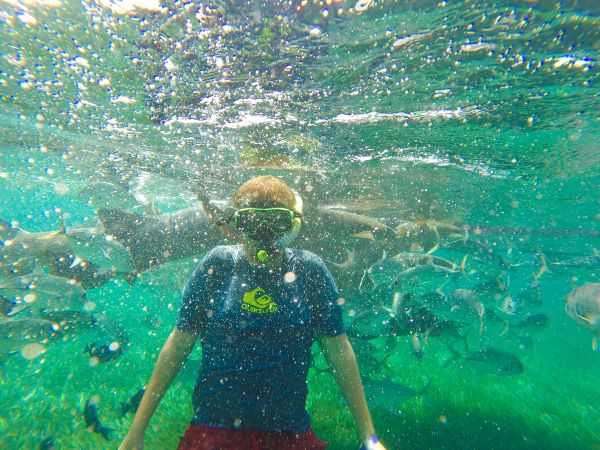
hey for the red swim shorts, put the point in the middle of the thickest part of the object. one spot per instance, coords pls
(201, 437)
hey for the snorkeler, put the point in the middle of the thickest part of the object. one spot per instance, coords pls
(256, 309)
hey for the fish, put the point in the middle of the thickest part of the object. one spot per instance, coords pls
(365, 235)
(6, 305)
(45, 283)
(542, 270)
(389, 394)
(433, 298)
(105, 352)
(422, 273)
(416, 320)
(406, 40)
(155, 240)
(417, 347)
(582, 304)
(588, 262)
(71, 321)
(490, 360)
(537, 321)
(368, 362)
(111, 329)
(467, 297)
(92, 422)
(509, 306)
(428, 234)
(419, 280)
(15, 334)
(91, 244)
(362, 5)
(462, 295)
(409, 260)
(21, 251)
(371, 324)
(133, 403)
(48, 444)
(347, 263)
(479, 308)
(493, 289)
(323, 220)
(41, 288)
(448, 330)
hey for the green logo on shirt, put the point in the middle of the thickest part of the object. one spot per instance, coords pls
(258, 301)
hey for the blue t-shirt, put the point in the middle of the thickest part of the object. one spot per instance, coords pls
(256, 327)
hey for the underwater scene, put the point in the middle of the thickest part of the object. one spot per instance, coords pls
(448, 157)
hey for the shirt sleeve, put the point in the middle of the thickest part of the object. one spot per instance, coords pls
(192, 301)
(212, 270)
(325, 300)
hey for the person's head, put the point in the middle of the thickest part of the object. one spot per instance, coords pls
(264, 192)
(267, 213)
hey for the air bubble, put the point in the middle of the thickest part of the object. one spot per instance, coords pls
(289, 277)
(32, 351)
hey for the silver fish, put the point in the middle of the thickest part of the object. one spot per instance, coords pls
(33, 286)
(101, 249)
(491, 360)
(17, 333)
(22, 250)
(590, 262)
(409, 260)
(389, 395)
(583, 305)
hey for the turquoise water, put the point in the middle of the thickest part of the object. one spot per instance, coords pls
(477, 121)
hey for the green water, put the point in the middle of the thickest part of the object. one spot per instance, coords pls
(479, 115)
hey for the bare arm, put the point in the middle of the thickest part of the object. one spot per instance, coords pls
(172, 356)
(340, 357)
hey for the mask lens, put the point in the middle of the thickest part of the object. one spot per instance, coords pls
(263, 224)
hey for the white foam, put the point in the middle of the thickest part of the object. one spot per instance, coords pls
(374, 117)
(251, 120)
(130, 6)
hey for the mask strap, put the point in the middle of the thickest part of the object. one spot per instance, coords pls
(289, 237)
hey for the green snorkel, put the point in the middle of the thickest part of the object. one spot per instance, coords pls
(262, 256)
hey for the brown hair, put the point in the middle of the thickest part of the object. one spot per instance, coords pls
(264, 192)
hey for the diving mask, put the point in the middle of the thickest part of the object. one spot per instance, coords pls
(265, 224)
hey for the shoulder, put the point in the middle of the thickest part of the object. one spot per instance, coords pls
(309, 259)
(222, 253)
(218, 258)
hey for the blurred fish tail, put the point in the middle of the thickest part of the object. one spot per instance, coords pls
(105, 432)
(425, 388)
(7, 231)
(424, 392)
(454, 355)
(48, 444)
(465, 339)
(125, 408)
(463, 266)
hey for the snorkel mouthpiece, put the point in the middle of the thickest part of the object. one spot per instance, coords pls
(261, 256)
